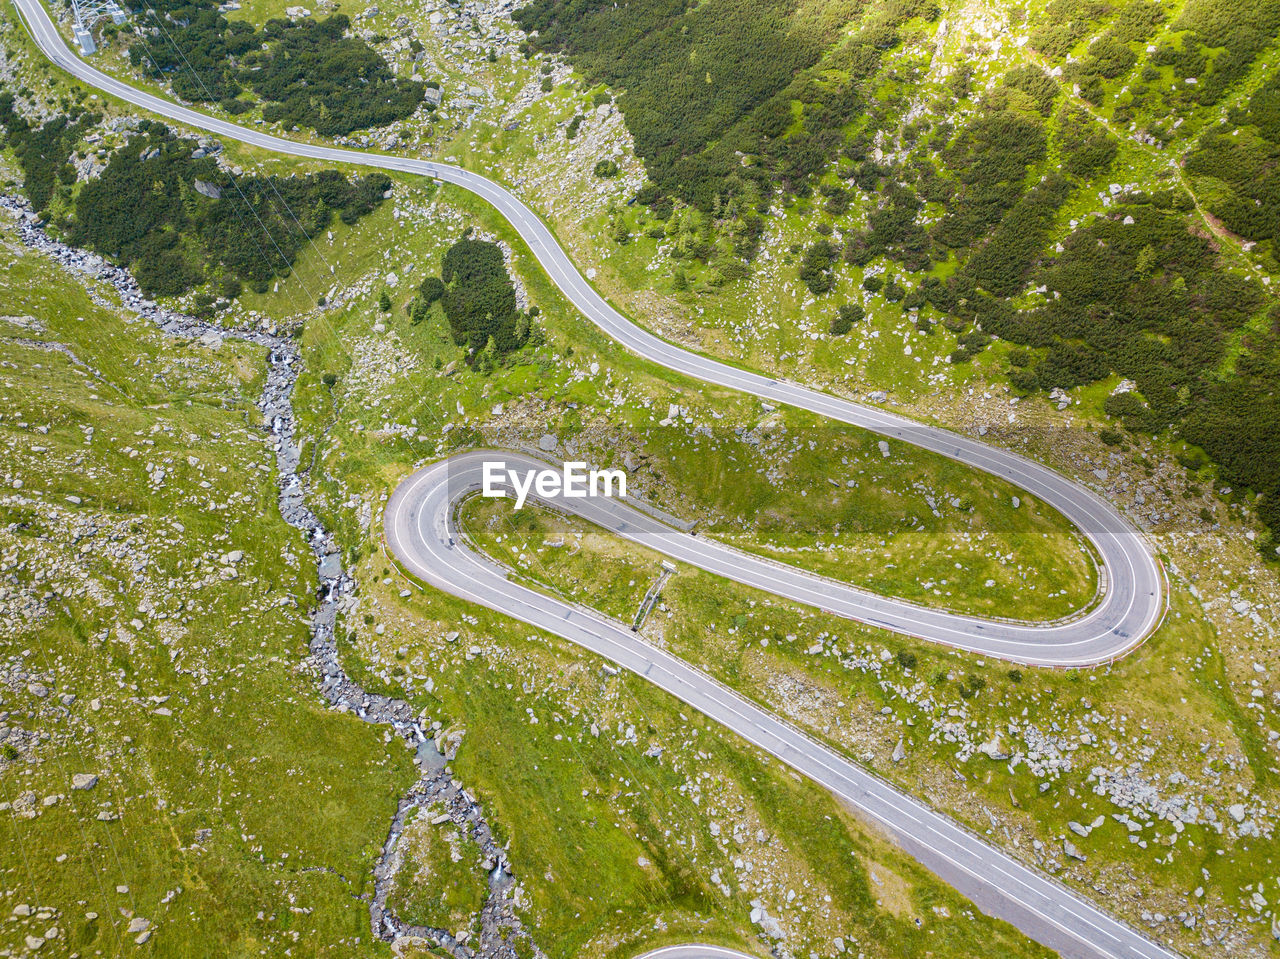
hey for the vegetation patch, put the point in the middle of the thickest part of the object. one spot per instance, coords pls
(153, 591)
(479, 301)
(308, 72)
(167, 210)
(705, 83)
(1236, 162)
(43, 151)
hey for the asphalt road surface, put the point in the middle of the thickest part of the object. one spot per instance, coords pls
(419, 524)
(1132, 601)
(1085, 640)
(419, 529)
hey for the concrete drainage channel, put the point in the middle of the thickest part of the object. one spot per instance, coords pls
(501, 930)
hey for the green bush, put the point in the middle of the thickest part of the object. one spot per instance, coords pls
(1036, 84)
(971, 685)
(706, 83)
(1192, 460)
(308, 73)
(431, 289)
(1240, 155)
(815, 268)
(146, 212)
(989, 159)
(1004, 262)
(846, 316)
(480, 302)
(43, 151)
(1086, 148)
(894, 230)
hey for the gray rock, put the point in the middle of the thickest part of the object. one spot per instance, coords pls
(1069, 848)
(331, 566)
(768, 925)
(204, 188)
(991, 749)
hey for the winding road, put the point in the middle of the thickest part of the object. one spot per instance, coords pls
(1132, 602)
(420, 530)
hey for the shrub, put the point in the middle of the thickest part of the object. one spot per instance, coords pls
(846, 316)
(431, 289)
(1192, 460)
(480, 302)
(815, 268)
(146, 211)
(43, 151)
(990, 159)
(1002, 265)
(307, 72)
(1036, 84)
(704, 87)
(971, 685)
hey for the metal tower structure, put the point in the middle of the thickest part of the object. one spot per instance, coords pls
(89, 12)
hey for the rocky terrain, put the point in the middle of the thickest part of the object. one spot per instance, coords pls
(1165, 805)
(501, 929)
